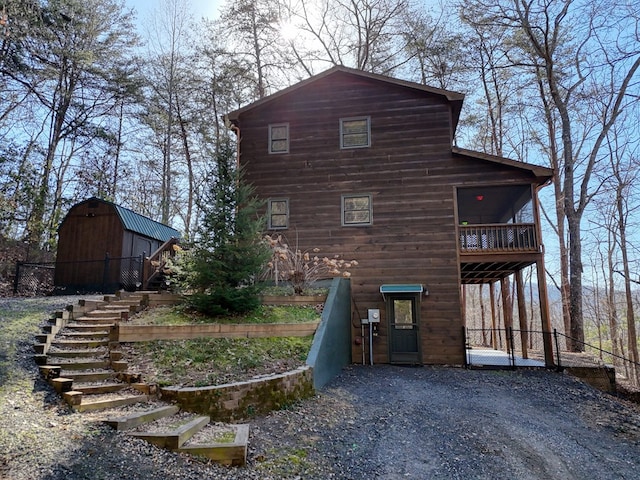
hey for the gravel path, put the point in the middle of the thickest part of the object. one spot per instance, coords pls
(379, 422)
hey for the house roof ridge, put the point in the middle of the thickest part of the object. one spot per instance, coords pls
(455, 98)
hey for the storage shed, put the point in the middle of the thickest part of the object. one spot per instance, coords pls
(102, 247)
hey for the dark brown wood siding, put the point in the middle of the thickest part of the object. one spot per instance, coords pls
(88, 233)
(410, 173)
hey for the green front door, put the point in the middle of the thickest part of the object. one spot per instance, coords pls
(404, 339)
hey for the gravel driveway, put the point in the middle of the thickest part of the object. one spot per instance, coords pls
(378, 422)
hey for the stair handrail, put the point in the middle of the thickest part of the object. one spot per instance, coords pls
(154, 263)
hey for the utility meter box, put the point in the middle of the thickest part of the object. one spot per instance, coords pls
(374, 315)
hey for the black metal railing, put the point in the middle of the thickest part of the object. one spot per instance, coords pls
(625, 367)
(509, 347)
(33, 279)
(105, 275)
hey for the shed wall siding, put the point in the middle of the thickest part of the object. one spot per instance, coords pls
(84, 238)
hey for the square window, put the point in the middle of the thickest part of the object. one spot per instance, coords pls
(278, 213)
(279, 138)
(355, 132)
(357, 210)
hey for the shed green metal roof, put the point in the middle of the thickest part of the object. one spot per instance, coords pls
(144, 225)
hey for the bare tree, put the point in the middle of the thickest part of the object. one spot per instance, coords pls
(364, 34)
(583, 83)
(71, 66)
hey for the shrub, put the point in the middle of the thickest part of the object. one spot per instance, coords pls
(302, 268)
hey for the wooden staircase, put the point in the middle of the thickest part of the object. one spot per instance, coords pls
(79, 356)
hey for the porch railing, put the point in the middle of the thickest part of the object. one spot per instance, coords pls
(154, 265)
(511, 237)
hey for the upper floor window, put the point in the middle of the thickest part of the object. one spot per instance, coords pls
(355, 132)
(279, 138)
(357, 210)
(278, 213)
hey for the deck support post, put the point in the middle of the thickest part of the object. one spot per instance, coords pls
(522, 315)
(494, 327)
(544, 314)
(507, 309)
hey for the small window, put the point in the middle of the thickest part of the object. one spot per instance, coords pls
(355, 132)
(279, 138)
(356, 210)
(278, 213)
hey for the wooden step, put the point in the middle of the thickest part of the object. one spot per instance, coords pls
(111, 314)
(86, 343)
(84, 365)
(94, 320)
(98, 389)
(77, 353)
(121, 307)
(121, 401)
(73, 335)
(140, 418)
(88, 376)
(174, 439)
(233, 453)
(89, 327)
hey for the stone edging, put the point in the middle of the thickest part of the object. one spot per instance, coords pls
(241, 400)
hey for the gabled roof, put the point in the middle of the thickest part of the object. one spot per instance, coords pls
(140, 224)
(145, 226)
(543, 174)
(454, 98)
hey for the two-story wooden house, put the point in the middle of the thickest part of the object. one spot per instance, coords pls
(363, 166)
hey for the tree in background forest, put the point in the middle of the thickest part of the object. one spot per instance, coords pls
(576, 64)
(228, 253)
(66, 68)
(553, 83)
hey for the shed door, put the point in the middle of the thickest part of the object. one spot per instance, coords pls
(404, 342)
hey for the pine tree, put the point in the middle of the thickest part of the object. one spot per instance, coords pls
(228, 253)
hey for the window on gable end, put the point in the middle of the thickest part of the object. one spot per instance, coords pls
(357, 210)
(278, 213)
(355, 132)
(279, 138)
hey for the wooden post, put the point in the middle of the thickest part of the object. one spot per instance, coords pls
(522, 314)
(482, 316)
(543, 298)
(507, 308)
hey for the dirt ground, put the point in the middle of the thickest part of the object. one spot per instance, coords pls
(380, 422)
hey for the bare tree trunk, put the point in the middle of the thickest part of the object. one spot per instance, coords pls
(630, 315)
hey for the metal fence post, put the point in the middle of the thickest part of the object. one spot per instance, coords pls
(512, 354)
(465, 345)
(555, 337)
(16, 278)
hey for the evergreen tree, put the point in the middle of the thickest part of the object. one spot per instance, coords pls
(228, 253)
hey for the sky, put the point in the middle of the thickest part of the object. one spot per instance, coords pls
(200, 8)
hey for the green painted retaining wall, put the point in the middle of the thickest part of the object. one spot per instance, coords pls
(331, 348)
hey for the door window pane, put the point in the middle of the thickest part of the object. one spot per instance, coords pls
(403, 314)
